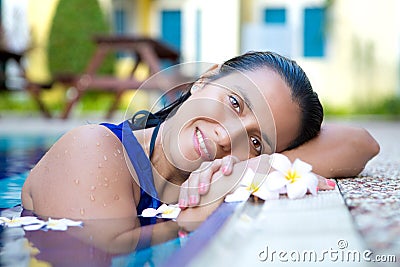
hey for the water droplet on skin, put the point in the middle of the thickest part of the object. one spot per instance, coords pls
(100, 165)
(107, 134)
(104, 205)
(97, 144)
(106, 185)
(92, 198)
(93, 187)
(105, 179)
(76, 181)
(116, 197)
(82, 211)
(115, 154)
(105, 157)
(119, 151)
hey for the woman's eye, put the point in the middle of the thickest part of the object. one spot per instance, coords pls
(235, 103)
(256, 144)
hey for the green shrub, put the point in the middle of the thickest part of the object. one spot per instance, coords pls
(70, 42)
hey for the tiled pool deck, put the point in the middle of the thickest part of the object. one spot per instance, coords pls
(362, 214)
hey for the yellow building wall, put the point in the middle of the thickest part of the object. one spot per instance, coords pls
(40, 14)
(362, 54)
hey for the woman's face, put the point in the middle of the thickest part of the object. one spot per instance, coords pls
(241, 115)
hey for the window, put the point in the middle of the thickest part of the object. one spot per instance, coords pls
(120, 21)
(275, 15)
(314, 37)
(171, 28)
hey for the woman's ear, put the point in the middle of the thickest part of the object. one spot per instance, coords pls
(199, 84)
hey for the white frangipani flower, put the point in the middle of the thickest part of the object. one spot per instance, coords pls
(62, 224)
(294, 179)
(164, 211)
(251, 186)
(31, 223)
(19, 221)
(291, 179)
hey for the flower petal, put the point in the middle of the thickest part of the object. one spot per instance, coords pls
(69, 222)
(171, 213)
(34, 227)
(296, 190)
(149, 212)
(280, 162)
(248, 177)
(14, 223)
(5, 219)
(301, 167)
(311, 182)
(266, 194)
(275, 181)
(30, 220)
(57, 226)
(162, 208)
(239, 195)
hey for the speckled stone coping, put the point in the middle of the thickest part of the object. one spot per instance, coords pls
(373, 197)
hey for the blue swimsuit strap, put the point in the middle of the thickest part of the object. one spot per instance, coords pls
(141, 163)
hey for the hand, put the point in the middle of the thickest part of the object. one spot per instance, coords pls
(199, 181)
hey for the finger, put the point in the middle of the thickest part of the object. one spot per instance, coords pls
(193, 189)
(183, 195)
(325, 184)
(227, 164)
(206, 175)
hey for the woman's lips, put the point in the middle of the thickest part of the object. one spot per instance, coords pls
(200, 145)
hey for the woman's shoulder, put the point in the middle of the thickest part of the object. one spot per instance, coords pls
(84, 175)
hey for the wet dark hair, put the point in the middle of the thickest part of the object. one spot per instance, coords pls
(291, 73)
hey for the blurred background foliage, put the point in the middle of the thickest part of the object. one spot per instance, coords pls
(70, 46)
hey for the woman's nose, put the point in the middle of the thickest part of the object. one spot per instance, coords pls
(223, 139)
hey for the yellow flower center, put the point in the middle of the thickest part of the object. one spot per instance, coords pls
(292, 176)
(168, 211)
(253, 187)
(52, 223)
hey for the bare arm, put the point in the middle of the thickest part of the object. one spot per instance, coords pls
(338, 151)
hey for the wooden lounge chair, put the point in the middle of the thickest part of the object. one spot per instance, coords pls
(147, 51)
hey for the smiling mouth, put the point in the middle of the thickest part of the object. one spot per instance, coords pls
(201, 145)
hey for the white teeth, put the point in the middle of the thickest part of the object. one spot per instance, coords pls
(201, 143)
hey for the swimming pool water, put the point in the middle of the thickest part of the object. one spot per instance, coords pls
(18, 154)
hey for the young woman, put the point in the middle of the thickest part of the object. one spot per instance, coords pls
(250, 106)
